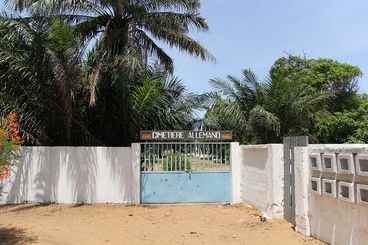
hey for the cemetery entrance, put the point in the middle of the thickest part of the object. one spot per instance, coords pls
(185, 167)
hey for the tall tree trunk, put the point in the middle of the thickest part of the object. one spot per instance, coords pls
(68, 110)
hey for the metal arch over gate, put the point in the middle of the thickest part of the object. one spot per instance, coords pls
(185, 172)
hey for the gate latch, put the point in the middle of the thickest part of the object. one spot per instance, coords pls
(189, 172)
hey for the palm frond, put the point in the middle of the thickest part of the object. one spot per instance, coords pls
(181, 22)
(181, 5)
(155, 50)
(181, 41)
(224, 88)
(261, 118)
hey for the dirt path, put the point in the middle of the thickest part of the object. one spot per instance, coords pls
(116, 224)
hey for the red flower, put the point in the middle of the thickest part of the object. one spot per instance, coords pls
(3, 133)
(12, 117)
(10, 136)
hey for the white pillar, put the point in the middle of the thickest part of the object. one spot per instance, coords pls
(236, 162)
(301, 167)
(275, 172)
(136, 174)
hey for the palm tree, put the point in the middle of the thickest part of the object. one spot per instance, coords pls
(163, 103)
(127, 35)
(127, 31)
(264, 112)
(41, 67)
(42, 81)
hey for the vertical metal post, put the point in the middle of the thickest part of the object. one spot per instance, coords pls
(205, 156)
(185, 157)
(289, 185)
(152, 156)
(225, 156)
(208, 156)
(190, 157)
(199, 156)
(167, 157)
(149, 156)
(145, 157)
(158, 157)
(180, 168)
(212, 155)
(193, 156)
(162, 157)
(221, 164)
(171, 156)
(217, 156)
(175, 156)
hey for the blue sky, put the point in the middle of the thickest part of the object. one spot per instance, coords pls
(253, 34)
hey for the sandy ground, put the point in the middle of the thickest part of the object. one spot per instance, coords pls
(117, 224)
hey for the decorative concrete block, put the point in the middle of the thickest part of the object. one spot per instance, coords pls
(362, 165)
(362, 194)
(329, 188)
(345, 191)
(315, 185)
(345, 164)
(329, 162)
(315, 161)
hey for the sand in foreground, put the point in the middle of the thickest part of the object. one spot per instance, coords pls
(118, 224)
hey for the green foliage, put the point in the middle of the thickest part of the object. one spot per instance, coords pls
(180, 162)
(7, 155)
(159, 103)
(40, 75)
(104, 96)
(62, 37)
(10, 141)
(324, 75)
(127, 31)
(92, 73)
(264, 112)
(336, 127)
(316, 97)
(345, 127)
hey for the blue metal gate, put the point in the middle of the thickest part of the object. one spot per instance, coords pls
(185, 172)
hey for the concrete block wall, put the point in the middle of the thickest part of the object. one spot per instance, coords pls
(75, 175)
(336, 216)
(258, 177)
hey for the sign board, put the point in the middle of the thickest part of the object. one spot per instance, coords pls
(186, 135)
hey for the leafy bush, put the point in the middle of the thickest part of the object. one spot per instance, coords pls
(180, 165)
(10, 141)
(345, 127)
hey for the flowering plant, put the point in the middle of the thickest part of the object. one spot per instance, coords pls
(10, 141)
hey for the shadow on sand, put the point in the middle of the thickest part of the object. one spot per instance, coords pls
(15, 236)
(21, 207)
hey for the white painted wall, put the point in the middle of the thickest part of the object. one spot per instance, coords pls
(107, 174)
(75, 175)
(338, 222)
(261, 178)
(330, 219)
(301, 173)
(236, 171)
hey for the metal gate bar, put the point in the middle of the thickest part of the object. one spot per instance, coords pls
(184, 157)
